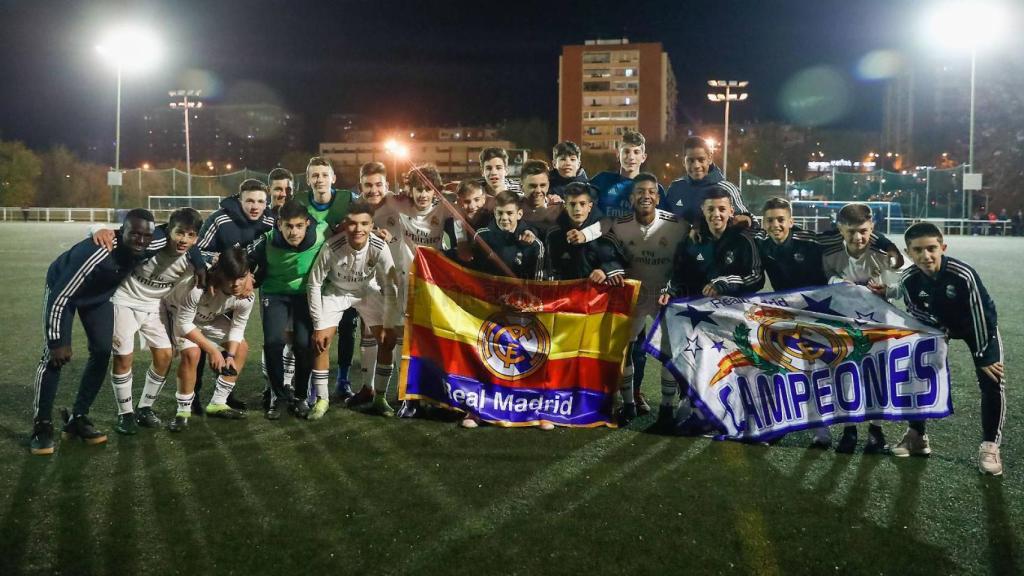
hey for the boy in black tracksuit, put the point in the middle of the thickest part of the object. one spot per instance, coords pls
(568, 254)
(947, 293)
(82, 280)
(241, 219)
(723, 262)
(502, 237)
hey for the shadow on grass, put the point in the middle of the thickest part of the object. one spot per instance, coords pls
(75, 529)
(1004, 549)
(18, 521)
(121, 552)
(172, 516)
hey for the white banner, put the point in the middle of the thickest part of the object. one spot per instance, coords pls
(769, 364)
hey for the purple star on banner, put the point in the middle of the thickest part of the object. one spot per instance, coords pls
(696, 316)
(864, 318)
(823, 306)
(718, 345)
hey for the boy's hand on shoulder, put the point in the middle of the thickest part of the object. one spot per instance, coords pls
(527, 237)
(104, 237)
(575, 237)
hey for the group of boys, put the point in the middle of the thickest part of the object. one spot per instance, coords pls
(322, 258)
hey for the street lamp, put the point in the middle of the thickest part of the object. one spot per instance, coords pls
(186, 104)
(976, 24)
(728, 96)
(129, 48)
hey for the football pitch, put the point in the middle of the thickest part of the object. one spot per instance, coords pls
(356, 493)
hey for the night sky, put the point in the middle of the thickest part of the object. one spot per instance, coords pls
(425, 62)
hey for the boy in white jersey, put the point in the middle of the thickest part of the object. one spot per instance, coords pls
(212, 321)
(354, 270)
(857, 262)
(647, 238)
(137, 310)
(418, 221)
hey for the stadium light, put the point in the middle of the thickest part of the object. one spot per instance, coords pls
(396, 151)
(957, 25)
(187, 105)
(129, 48)
(728, 97)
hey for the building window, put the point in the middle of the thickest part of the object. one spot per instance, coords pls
(597, 57)
(629, 72)
(598, 73)
(596, 86)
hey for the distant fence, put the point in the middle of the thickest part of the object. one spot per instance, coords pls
(949, 226)
(112, 215)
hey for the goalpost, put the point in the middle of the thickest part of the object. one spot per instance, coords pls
(201, 203)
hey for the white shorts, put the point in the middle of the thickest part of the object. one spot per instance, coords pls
(128, 322)
(370, 308)
(216, 332)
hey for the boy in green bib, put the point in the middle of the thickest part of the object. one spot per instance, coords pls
(281, 260)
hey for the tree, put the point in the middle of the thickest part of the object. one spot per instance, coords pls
(532, 134)
(19, 174)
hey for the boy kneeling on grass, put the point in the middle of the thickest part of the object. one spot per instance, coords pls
(947, 293)
(211, 321)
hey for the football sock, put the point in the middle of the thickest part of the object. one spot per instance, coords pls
(367, 358)
(122, 391)
(382, 378)
(626, 386)
(151, 391)
(917, 426)
(320, 383)
(184, 403)
(289, 365)
(221, 391)
(668, 391)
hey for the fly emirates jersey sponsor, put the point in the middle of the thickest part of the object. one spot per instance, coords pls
(151, 281)
(649, 250)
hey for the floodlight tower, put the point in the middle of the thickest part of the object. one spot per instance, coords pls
(728, 97)
(189, 101)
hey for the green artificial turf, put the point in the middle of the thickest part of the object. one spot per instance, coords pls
(355, 493)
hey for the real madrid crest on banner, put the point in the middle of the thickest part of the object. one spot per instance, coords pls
(513, 345)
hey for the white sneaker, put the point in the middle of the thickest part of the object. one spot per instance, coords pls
(545, 425)
(912, 444)
(469, 422)
(989, 461)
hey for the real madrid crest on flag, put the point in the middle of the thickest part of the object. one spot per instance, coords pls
(513, 345)
(486, 344)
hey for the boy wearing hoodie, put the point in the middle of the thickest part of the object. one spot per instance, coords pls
(568, 167)
(569, 256)
(686, 195)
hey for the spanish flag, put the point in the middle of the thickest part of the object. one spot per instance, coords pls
(514, 352)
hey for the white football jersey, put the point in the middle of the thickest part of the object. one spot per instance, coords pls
(871, 265)
(649, 249)
(421, 228)
(388, 217)
(340, 270)
(193, 308)
(152, 280)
